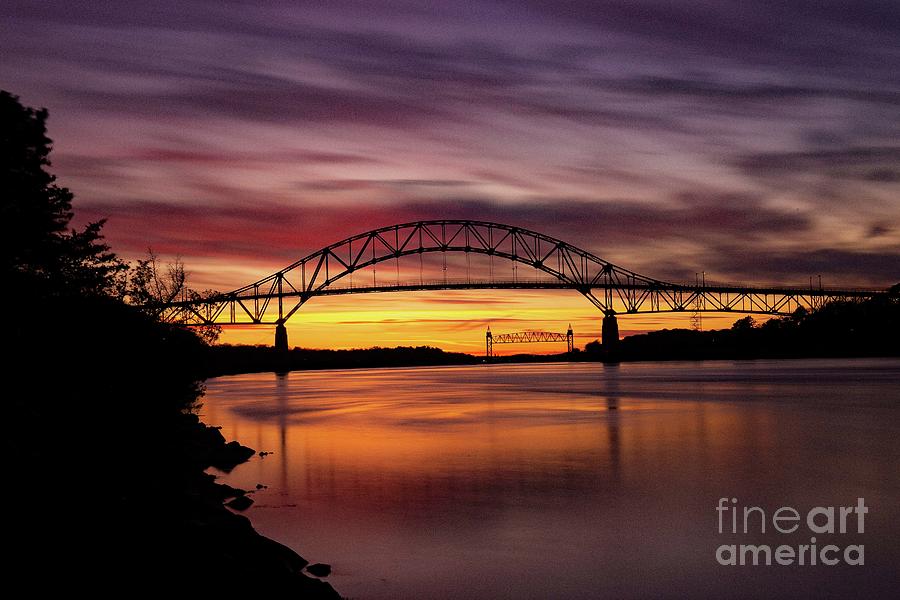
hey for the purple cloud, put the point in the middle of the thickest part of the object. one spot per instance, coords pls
(665, 136)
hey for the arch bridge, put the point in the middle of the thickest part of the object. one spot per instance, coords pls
(612, 289)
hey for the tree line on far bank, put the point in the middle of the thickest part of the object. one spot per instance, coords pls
(837, 329)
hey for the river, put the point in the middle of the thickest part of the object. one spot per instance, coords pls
(574, 480)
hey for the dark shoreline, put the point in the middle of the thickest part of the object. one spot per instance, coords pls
(213, 528)
(234, 359)
(110, 460)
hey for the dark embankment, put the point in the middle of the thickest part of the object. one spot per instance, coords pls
(227, 359)
(836, 330)
(106, 490)
(109, 462)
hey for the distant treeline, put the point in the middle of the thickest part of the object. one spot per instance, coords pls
(227, 359)
(838, 329)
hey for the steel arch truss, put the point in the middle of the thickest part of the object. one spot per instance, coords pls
(610, 288)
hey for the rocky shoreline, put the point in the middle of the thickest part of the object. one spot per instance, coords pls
(212, 529)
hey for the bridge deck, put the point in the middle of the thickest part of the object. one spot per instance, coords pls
(538, 285)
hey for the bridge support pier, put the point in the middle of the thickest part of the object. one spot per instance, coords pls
(609, 336)
(281, 339)
(610, 332)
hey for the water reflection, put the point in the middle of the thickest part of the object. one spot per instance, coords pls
(612, 394)
(562, 480)
(281, 401)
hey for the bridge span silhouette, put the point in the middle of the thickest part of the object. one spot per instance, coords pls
(612, 289)
(527, 337)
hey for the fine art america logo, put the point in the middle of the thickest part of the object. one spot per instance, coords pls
(819, 520)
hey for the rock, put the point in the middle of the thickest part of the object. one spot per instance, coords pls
(241, 503)
(225, 491)
(227, 457)
(319, 570)
(260, 486)
(214, 436)
(264, 454)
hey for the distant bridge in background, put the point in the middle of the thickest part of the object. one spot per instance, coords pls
(527, 337)
(612, 289)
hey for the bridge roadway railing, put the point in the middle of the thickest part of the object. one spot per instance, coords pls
(249, 307)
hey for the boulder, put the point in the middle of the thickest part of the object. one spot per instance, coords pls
(240, 503)
(319, 570)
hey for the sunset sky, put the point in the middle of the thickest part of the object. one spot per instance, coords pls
(755, 141)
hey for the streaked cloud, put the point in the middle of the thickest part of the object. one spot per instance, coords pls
(753, 140)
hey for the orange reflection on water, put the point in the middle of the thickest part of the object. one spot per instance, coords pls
(387, 426)
(404, 478)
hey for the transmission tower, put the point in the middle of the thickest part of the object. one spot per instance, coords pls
(699, 302)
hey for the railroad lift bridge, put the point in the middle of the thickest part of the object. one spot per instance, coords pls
(527, 337)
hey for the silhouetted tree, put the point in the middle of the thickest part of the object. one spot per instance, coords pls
(149, 284)
(593, 347)
(37, 247)
(744, 324)
(208, 333)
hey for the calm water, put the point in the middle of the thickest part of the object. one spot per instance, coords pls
(569, 480)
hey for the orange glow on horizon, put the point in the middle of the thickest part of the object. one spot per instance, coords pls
(454, 321)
